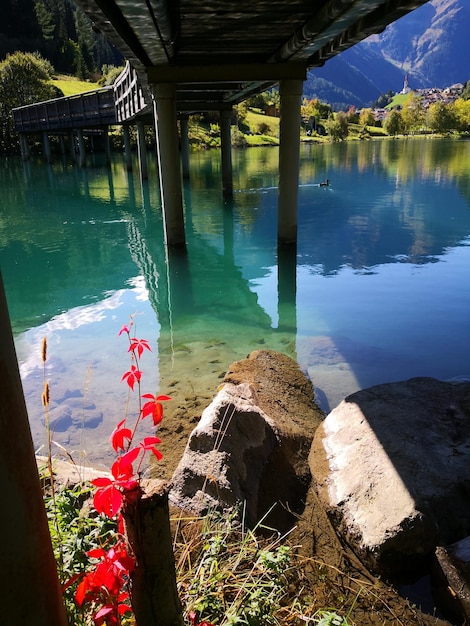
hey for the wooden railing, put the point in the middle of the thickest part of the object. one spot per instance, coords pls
(116, 104)
(89, 109)
(129, 95)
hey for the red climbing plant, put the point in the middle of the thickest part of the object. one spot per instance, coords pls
(105, 585)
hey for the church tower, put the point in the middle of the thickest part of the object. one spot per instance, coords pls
(406, 87)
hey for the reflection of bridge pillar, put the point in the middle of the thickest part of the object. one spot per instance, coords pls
(226, 151)
(24, 147)
(81, 148)
(289, 159)
(107, 145)
(184, 145)
(169, 163)
(46, 147)
(144, 174)
(287, 288)
(127, 147)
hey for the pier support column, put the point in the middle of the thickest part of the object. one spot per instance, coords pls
(289, 159)
(28, 575)
(144, 173)
(169, 163)
(127, 147)
(226, 152)
(46, 147)
(24, 147)
(184, 145)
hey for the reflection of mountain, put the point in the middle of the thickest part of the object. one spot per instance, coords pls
(67, 237)
(398, 218)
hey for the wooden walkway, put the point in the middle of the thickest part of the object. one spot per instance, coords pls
(120, 103)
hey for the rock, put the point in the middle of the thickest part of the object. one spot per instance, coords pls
(391, 465)
(451, 579)
(251, 444)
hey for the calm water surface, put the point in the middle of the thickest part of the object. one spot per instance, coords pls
(379, 290)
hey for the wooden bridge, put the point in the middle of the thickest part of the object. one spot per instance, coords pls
(191, 56)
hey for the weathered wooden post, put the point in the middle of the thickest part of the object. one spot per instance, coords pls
(154, 594)
(28, 577)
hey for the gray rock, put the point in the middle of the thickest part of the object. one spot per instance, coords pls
(392, 465)
(247, 449)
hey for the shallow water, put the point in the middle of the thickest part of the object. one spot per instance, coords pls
(378, 291)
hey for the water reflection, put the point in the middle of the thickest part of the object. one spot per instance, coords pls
(366, 297)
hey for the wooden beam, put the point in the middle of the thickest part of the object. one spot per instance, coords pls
(237, 72)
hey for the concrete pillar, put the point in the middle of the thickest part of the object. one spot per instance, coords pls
(144, 174)
(289, 159)
(226, 152)
(169, 163)
(24, 147)
(184, 136)
(127, 147)
(28, 575)
(81, 148)
(46, 147)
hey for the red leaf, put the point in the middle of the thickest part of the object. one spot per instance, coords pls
(119, 436)
(157, 453)
(148, 442)
(140, 345)
(101, 481)
(132, 376)
(107, 500)
(124, 329)
(163, 398)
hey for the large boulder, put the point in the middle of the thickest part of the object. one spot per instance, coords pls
(392, 466)
(251, 445)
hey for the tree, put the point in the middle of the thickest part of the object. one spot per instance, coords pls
(23, 80)
(441, 117)
(393, 123)
(337, 126)
(413, 114)
(462, 114)
(366, 117)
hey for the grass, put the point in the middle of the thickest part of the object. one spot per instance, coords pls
(70, 86)
(231, 575)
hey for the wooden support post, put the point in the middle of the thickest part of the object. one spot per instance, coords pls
(226, 152)
(28, 575)
(169, 163)
(154, 593)
(144, 174)
(289, 160)
(184, 145)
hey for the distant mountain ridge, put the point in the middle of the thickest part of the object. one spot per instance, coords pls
(431, 44)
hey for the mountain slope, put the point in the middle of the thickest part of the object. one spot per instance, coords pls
(431, 44)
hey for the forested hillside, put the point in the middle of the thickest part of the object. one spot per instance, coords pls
(59, 32)
(431, 44)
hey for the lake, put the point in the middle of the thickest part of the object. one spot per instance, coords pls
(378, 290)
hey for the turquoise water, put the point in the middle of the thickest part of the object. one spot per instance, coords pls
(379, 289)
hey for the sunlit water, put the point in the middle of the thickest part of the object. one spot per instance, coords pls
(380, 291)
